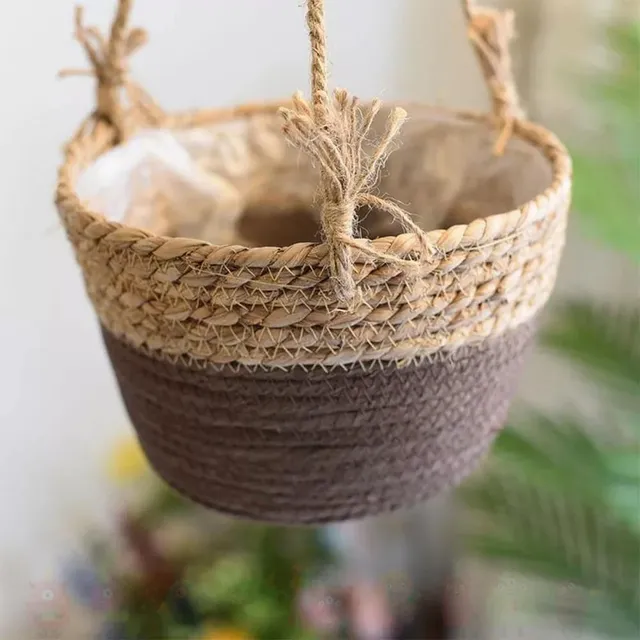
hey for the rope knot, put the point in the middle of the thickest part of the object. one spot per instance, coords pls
(338, 217)
(109, 60)
(335, 134)
(337, 138)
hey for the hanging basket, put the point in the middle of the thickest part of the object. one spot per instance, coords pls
(340, 376)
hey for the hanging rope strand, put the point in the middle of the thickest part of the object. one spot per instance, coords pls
(491, 32)
(108, 59)
(334, 132)
(117, 47)
(319, 66)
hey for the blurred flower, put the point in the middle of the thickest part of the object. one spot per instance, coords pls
(127, 461)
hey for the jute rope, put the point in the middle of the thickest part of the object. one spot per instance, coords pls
(491, 32)
(335, 134)
(108, 58)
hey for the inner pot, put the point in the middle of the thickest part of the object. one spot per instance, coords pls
(240, 182)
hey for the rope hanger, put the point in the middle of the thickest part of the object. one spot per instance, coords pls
(333, 129)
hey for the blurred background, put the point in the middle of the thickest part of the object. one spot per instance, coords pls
(91, 543)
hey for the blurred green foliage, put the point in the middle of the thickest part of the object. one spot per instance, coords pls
(561, 498)
(607, 185)
(247, 578)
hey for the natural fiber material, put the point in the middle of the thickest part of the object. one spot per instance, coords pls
(295, 446)
(108, 58)
(185, 299)
(188, 300)
(491, 32)
(334, 134)
(317, 381)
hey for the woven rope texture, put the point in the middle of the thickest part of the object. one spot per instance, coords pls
(185, 299)
(326, 380)
(294, 446)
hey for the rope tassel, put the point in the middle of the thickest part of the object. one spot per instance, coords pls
(335, 134)
(108, 58)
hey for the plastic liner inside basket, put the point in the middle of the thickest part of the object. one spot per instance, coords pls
(322, 320)
(242, 183)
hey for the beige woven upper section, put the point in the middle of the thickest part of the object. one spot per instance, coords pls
(344, 300)
(188, 299)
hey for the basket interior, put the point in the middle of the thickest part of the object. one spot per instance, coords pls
(240, 182)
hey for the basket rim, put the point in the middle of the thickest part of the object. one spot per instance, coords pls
(476, 234)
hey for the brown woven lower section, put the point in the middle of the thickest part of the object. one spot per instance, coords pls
(310, 446)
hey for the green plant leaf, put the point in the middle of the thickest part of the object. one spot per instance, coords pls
(607, 175)
(607, 197)
(549, 535)
(557, 503)
(556, 453)
(625, 465)
(624, 488)
(625, 502)
(605, 342)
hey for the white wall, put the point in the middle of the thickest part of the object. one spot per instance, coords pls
(59, 406)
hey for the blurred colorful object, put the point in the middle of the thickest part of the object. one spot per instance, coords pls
(48, 608)
(168, 570)
(176, 571)
(226, 634)
(127, 462)
(173, 570)
(561, 500)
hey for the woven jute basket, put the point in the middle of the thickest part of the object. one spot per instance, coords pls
(346, 376)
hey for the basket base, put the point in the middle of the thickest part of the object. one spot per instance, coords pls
(311, 447)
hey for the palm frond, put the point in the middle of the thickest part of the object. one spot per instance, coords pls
(605, 342)
(558, 505)
(624, 488)
(555, 451)
(544, 534)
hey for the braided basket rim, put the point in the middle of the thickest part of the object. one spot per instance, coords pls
(475, 234)
(480, 279)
